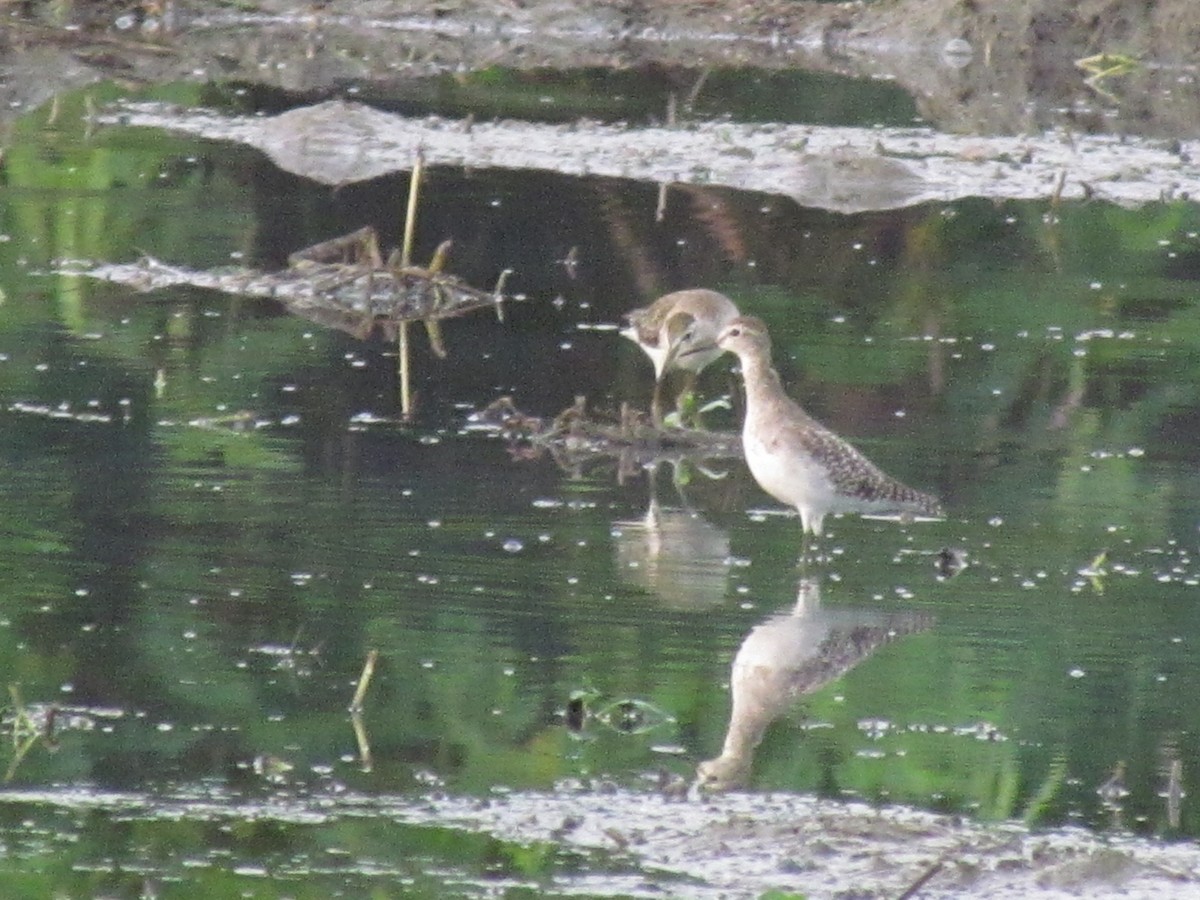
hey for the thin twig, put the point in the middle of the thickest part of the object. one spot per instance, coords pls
(405, 373)
(410, 227)
(498, 294)
(410, 215)
(694, 94)
(1056, 197)
(364, 743)
(912, 890)
(364, 681)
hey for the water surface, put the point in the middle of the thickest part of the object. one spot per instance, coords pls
(214, 511)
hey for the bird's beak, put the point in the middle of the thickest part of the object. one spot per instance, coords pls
(676, 353)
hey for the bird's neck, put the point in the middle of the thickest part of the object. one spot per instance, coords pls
(763, 386)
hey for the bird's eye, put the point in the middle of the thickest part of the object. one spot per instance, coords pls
(735, 332)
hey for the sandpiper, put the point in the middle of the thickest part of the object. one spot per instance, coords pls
(799, 461)
(679, 331)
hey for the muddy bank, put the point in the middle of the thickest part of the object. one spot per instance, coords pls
(741, 845)
(841, 169)
(637, 844)
(995, 68)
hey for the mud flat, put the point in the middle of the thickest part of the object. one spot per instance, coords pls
(841, 169)
(646, 844)
(972, 68)
(741, 845)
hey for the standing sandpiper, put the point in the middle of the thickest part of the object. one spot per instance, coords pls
(679, 331)
(799, 461)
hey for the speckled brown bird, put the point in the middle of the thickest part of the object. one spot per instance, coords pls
(799, 461)
(679, 331)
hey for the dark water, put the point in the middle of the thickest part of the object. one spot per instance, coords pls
(196, 596)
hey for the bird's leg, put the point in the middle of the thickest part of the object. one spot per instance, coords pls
(811, 553)
(805, 553)
(808, 595)
(656, 404)
(652, 481)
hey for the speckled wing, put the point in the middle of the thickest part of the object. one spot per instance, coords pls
(847, 646)
(852, 474)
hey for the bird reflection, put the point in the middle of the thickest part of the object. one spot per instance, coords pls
(675, 554)
(1112, 795)
(786, 656)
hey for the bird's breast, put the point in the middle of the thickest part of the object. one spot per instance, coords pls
(790, 476)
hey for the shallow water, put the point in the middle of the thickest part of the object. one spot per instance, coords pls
(214, 511)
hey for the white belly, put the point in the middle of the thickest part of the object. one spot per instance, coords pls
(791, 478)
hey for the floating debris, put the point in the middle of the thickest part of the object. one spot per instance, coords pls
(575, 714)
(30, 724)
(341, 283)
(628, 715)
(272, 769)
(950, 562)
(576, 438)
